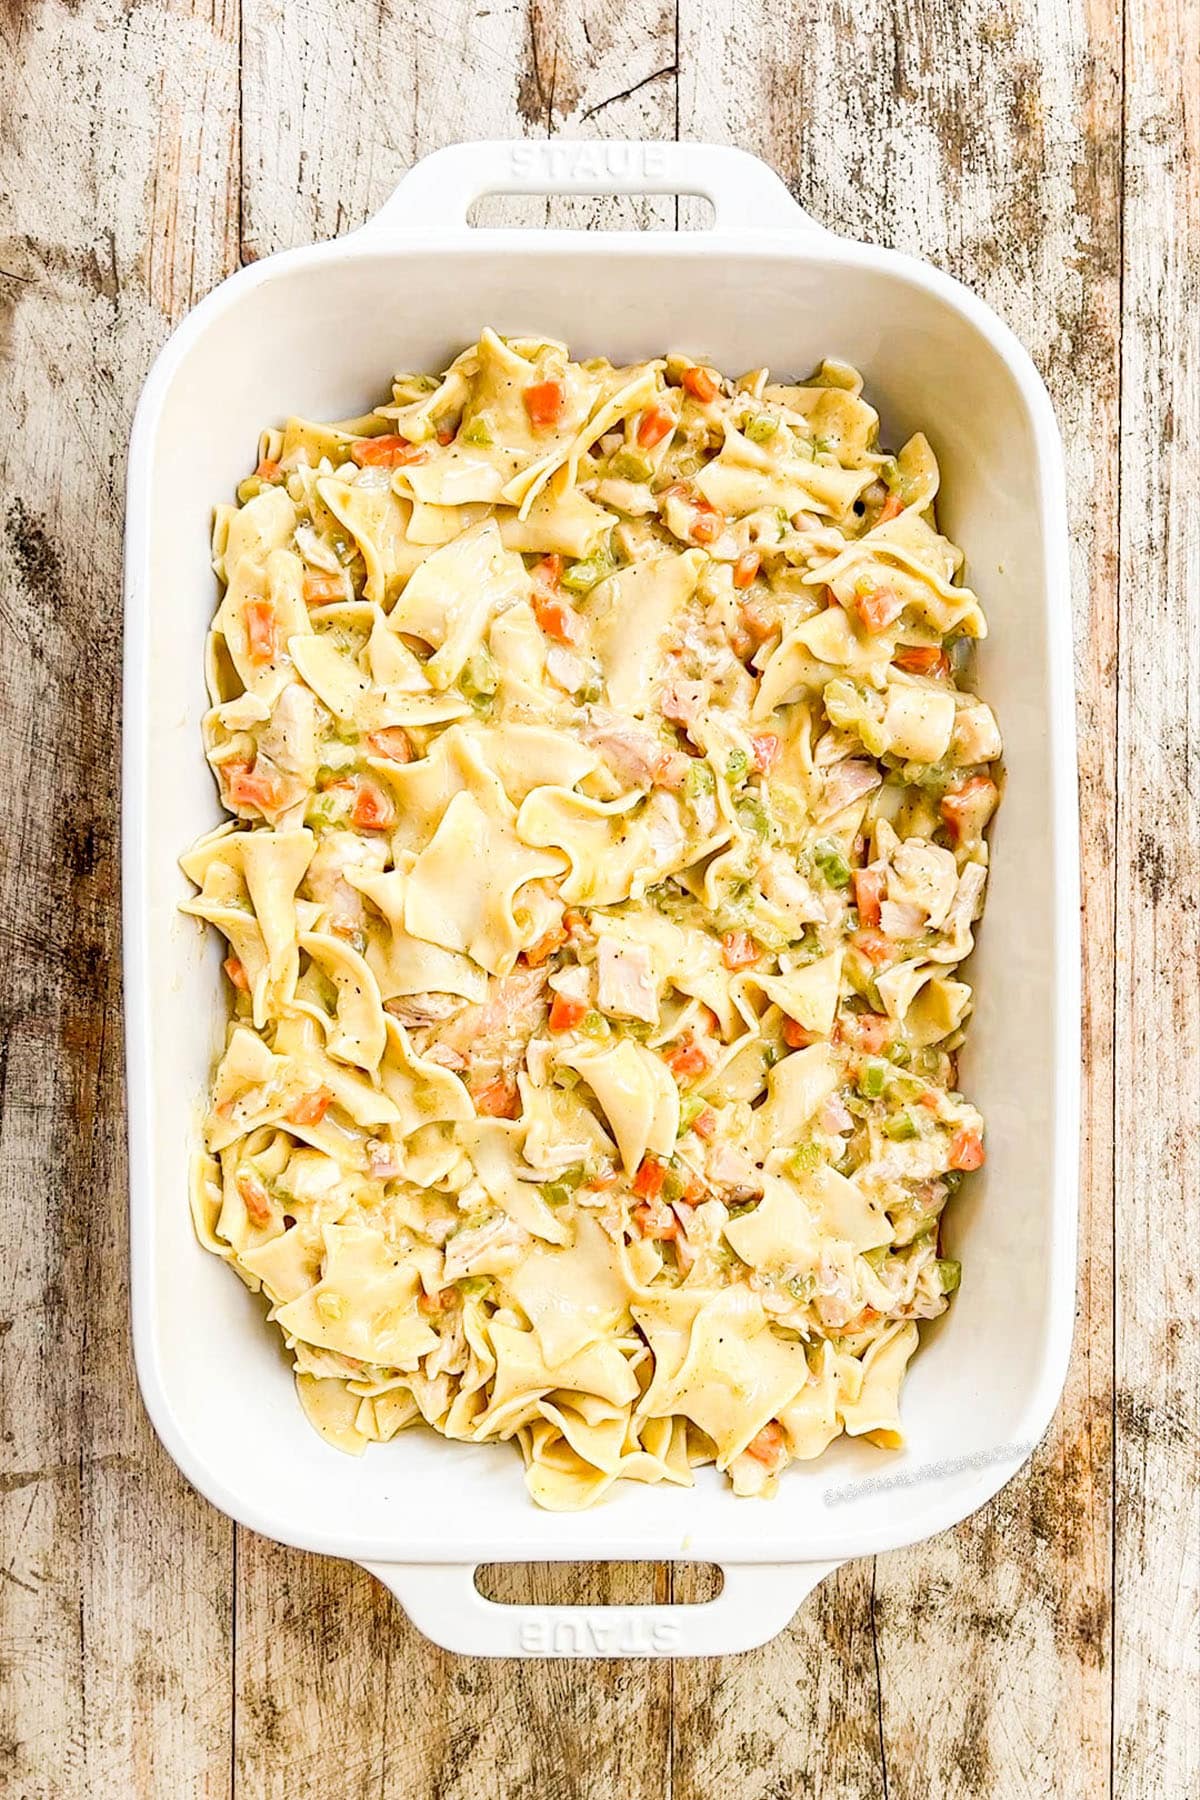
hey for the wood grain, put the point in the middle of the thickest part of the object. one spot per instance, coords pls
(1048, 151)
(1156, 1575)
(118, 211)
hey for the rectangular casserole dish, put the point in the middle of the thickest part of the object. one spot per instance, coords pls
(319, 331)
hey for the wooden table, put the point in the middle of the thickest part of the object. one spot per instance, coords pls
(1047, 152)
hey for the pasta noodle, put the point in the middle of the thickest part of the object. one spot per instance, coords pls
(607, 822)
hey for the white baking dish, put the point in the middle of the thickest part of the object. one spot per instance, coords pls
(319, 331)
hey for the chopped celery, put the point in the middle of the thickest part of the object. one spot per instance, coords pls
(949, 1273)
(737, 765)
(742, 1207)
(689, 1111)
(627, 465)
(478, 431)
(700, 780)
(831, 863)
(871, 1079)
(672, 1187)
(900, 1053)
(900, 1126)
(480, 677)
(473, 1286)
(753, 817)
(802, 1287)
(580, 577)
(594, 1024)
(559, 1191)
(761, 427)
(805, 1159)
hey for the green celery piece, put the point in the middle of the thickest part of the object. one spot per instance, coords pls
(831, 863)
(900, 1127)
(761, 427)
(872, 1078)
(581, 577)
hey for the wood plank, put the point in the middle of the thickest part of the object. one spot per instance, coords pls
(988, 141)
(328, 133)
(339, 1695)
(117, 210)
(1157, 1422)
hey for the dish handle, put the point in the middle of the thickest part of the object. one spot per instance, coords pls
(438, 192)
(756, 1601)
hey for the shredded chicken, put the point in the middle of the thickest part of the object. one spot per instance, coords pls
(626, 980)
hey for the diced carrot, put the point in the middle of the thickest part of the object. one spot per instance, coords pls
(322, 588)
(966, 1150)
(795, 1035)
(558, 620)
(310, 1109)
(574, 921)
(261, 639)
(393, 742)
(877, 948)
(705, 1123)
(922, 659)
(878, 608)
(654, 427)
(648, 1182)
(892, 507)
(544, 402)
(764, 747)
(746, 568)
(565, 1013)
(268, 469)
(978, 795)
(653, 1219)
(738, 950)
(498, 1100)
(236, 971)
(446, 435)
(254, 1197)
(547, 571)
(707, 526)
(387, 453)
(253, 786)
(687, 1061)
(868, 895)
(433, 1304)
(546, 945)
(769, 1445)
(699, 384)
(372, 810)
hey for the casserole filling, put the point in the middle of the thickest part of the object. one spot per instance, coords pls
(607, 826)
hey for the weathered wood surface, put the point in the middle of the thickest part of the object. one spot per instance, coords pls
(1047, 152)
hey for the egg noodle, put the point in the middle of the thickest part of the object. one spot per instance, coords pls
(607, 826)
